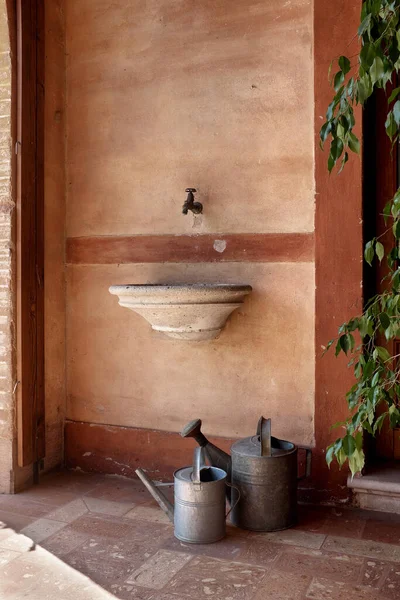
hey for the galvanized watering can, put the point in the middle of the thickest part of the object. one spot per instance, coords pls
(199, 494)
(263, 473)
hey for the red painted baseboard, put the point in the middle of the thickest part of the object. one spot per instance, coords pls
(120, 450)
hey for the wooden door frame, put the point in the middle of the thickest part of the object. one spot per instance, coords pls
(338, 249)
(30, 232)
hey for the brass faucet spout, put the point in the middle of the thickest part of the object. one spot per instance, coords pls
(191, 204)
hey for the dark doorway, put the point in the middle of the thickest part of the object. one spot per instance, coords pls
(381, 180)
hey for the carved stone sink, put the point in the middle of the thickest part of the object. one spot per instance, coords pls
(184, 311)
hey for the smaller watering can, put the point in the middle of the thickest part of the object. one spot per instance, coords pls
(199, 493)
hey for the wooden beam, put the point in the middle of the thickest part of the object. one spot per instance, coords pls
(30, 234)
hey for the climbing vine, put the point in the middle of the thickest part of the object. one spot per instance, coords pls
(375, 396)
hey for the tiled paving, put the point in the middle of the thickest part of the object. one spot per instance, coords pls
(93, 537)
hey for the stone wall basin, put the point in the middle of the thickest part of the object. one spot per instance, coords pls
(184, 311)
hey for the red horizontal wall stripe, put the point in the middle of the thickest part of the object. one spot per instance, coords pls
(240, 247)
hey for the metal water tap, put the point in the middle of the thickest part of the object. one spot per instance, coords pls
(190, 204)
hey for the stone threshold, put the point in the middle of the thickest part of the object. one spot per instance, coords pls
(379, 488)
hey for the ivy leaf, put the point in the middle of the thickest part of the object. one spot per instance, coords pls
(380, 251)
(385, 320)
(340, 131)
(338, 81)
(389, 333)
(377, 70)
(394, 95)
(341, 457)
(354, 143)
(368, 369)
(329, 344)
(375, 379)
(364, 88)
(365, 25)
(379, 423)
(353, 324)
(356, 461)
(325, 131)
(350, 93)
(349, 445)
(331, 163)
(329, 454)
(387, 210)
(351, 341)
(363, 327)
(396, 229)
(394, 416)
(396, 279)
(346, 342)
(396, 112)
(336, 148)
(329, 112)
(390, 125)
(344, 64)
(367, 427)
(383, 353)
(369, 253)
(367, 55)
(344, 161)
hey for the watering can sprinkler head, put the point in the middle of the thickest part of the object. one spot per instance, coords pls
(215, 456)
(192, 429)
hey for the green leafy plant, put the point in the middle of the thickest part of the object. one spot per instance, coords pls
(375, 395)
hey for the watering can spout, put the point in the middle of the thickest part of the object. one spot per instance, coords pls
(162, 500)
(216, 456)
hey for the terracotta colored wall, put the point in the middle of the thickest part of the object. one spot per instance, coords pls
(160, 96)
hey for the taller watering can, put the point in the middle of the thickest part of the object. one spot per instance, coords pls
(264, 477)
(198, 512)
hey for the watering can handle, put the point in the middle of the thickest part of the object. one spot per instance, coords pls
(198, 463)
(265, 436)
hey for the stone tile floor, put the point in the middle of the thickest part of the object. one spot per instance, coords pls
(92, 537)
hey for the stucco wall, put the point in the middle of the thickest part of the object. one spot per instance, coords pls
(161, 96)
(164, 94)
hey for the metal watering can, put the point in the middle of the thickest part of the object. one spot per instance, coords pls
(198, 512)
(263, 473)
